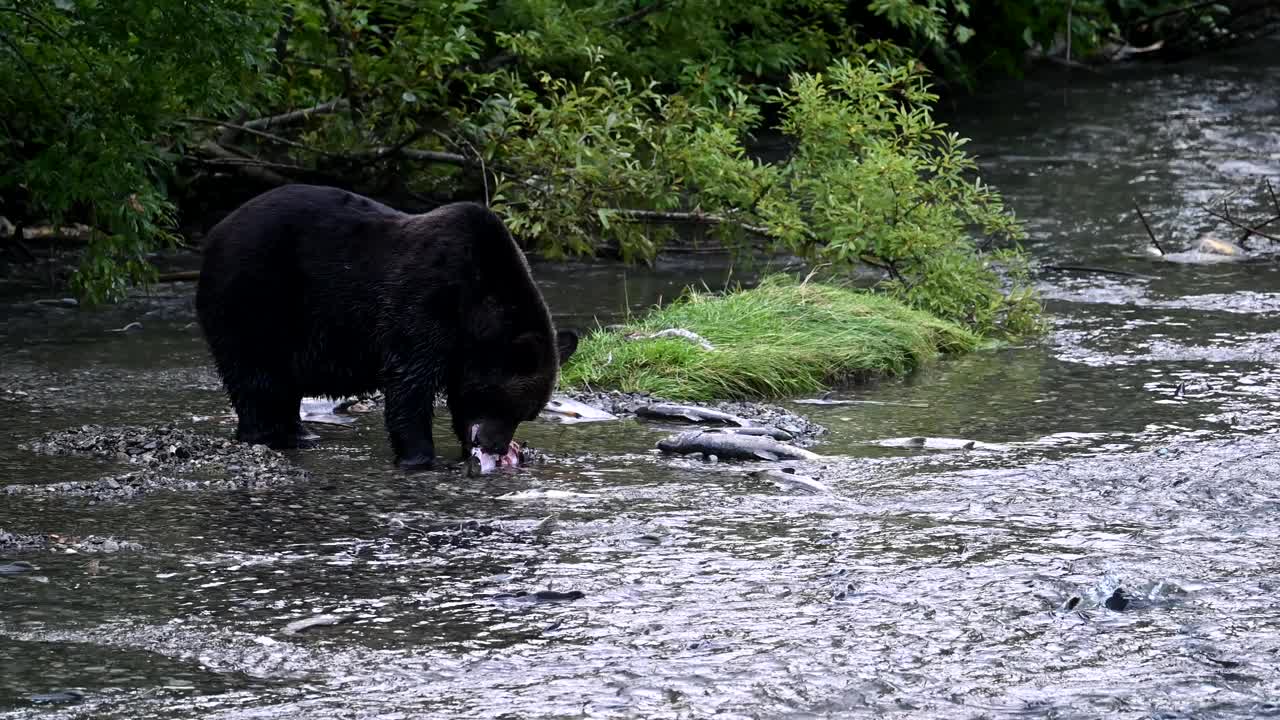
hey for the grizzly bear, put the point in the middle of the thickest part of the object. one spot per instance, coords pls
(316, 291)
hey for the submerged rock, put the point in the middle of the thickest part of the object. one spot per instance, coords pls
(541, 596)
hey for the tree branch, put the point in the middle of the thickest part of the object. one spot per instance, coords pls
(258, 133)
(30, 69)
(431, 156)
(1150, 234)
(293, 116)
(251, 167)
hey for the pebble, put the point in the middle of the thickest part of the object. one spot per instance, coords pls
(164, 458)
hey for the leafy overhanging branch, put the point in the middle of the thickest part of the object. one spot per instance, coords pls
(588, 124)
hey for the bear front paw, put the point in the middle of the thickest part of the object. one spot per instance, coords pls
(416, 463)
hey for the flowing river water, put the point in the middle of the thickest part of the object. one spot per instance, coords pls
(1120, 558)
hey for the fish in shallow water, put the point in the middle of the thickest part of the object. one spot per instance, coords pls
(690, 413)
(568, 410)
(765, 430)
(939, 443)
(732, 446)
(788, 479)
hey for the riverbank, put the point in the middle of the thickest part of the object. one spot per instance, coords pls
(783, 338)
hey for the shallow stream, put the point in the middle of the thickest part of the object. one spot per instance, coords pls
(1120, 559)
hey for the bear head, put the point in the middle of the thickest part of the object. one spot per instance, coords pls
(497, 390)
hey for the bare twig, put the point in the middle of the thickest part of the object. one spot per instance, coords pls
(1256, 227)
(1242, 226)
(1272, 190)
(1150, 234)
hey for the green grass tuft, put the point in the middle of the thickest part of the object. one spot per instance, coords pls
(780, 339)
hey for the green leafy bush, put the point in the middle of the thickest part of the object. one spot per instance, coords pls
(90, 95)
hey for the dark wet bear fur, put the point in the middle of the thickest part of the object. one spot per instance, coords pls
(315, 291)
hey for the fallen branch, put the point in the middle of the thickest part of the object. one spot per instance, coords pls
(76, 233)
(1085, 269)
(179, 276)
(251, 167)
(696, 218)
(294, 116)
(434, 156)
(1176, 11)
(1146, 225)
(259, 133)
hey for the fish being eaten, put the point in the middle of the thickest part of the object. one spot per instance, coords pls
(481, 462)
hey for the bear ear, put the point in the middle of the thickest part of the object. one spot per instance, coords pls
(566, 344)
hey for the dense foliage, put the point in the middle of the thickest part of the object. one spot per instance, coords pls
(589, 124)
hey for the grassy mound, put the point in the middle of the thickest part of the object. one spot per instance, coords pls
(780, 339)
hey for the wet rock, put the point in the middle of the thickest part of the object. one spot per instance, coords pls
(89, 544)
(1117, 601)
(541, 596)
(164, 458)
